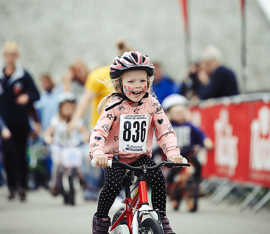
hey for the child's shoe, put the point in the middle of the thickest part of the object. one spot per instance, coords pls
(166, 226)
(101, 225)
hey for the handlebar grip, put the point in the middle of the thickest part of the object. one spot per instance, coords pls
(94, 163)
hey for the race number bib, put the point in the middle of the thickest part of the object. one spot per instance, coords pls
(133, 133)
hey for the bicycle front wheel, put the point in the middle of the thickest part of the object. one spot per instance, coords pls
(151, 226)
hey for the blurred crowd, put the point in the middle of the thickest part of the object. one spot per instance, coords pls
(44, 131)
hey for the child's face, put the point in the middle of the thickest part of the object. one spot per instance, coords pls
(67, 109)
(135, 84)
(178, 113)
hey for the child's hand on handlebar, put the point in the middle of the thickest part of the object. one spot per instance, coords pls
(177, 159)
(102, 160)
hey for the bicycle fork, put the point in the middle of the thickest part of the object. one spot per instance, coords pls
(144, 208)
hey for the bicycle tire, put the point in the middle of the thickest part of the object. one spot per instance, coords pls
(151, 226)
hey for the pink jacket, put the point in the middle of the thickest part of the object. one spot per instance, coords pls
(127, 130)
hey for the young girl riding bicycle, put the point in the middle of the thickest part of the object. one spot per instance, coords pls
(126, 128)
(190, 140)
(66, 148)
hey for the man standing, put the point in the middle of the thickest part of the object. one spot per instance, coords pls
(219, 80)
(17, 95)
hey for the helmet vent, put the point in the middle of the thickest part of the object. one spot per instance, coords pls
(124, 65)
(128, 59)
(143, 59)
(135, 56)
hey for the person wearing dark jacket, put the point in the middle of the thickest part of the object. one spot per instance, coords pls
(17, 95)
(219, 81)
(191, 84)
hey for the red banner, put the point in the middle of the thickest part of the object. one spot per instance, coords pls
(241, 136)
(259, 164)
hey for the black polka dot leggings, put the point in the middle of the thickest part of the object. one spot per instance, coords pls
(113, 185)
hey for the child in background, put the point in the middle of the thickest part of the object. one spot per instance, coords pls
(189, 138)
(66, 148)
(126, 128)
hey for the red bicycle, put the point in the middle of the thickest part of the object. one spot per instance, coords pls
(138, 217)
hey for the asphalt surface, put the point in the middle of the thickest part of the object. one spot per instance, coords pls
(43, 214)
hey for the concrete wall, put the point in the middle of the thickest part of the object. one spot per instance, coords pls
(52, 33)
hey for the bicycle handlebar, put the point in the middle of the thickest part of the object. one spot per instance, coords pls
(115, 163)
(139, 168)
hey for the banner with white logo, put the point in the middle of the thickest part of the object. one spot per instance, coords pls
(241, 135)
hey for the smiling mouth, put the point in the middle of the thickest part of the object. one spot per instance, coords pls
(136, 93)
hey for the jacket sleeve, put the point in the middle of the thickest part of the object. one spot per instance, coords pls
(198, 135)
(100, 133)
(32, 90)
(165, 134)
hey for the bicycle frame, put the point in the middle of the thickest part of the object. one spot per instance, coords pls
(133, 203)
(138, 206)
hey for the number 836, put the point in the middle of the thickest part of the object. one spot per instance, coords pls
(139, 131)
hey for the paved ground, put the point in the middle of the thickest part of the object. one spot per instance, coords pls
(44, 215)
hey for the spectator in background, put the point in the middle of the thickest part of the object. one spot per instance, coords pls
(219, 81)
(191, 84)
(47, 106)
(75, 78)
(163, 85)
(17, 95)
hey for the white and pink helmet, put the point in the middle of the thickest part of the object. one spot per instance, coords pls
(132, 60)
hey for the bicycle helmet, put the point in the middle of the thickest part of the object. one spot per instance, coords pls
(66, 97)
(172, 100)
(132, 60)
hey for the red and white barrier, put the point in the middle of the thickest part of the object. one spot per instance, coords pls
(241, 135)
